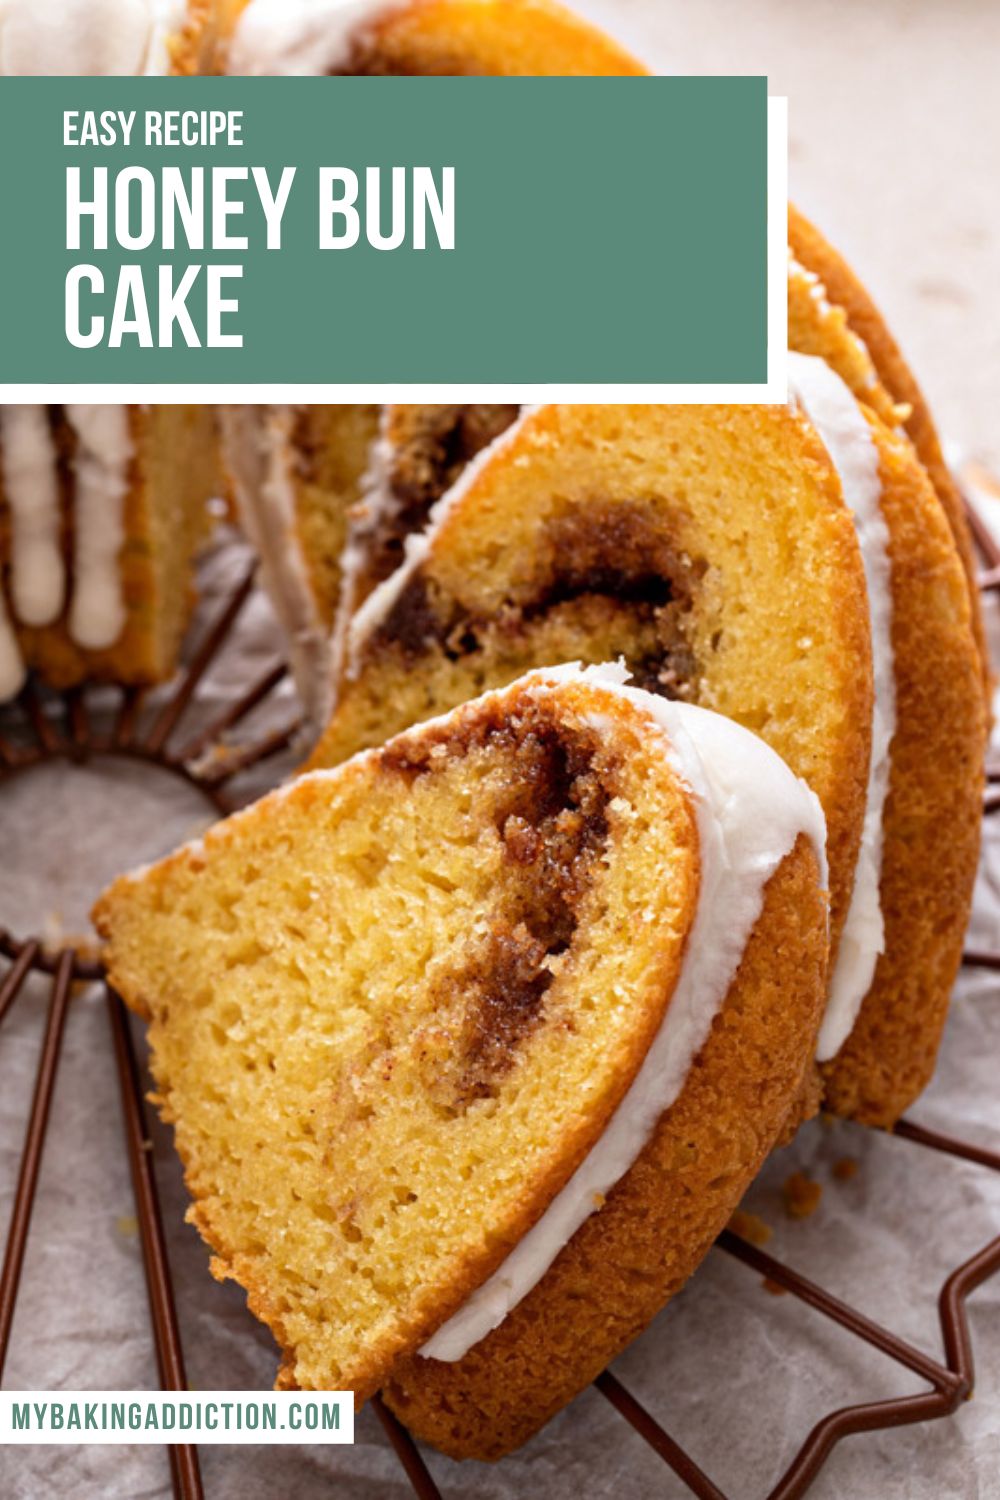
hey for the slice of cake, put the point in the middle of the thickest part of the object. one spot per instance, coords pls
(101, 511)
(427, 1023)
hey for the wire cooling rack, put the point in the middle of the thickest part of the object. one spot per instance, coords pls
(143, 731)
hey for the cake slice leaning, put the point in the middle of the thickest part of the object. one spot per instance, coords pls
(412, 1018)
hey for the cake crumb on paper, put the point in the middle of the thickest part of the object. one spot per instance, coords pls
(750, 1227)
(845, 1168)
(801, 1196)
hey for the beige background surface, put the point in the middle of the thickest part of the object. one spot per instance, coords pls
(894, 126)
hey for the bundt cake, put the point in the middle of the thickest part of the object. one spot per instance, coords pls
(712, 548)
(472, 1044)
(101, 511)
(474, 1035)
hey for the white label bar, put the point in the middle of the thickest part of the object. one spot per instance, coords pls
(176, 1417)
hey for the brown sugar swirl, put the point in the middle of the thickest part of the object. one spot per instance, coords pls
(609, 571)
(420, 453)
(550, 815)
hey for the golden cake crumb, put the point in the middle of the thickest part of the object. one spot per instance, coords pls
(845, 1168)
(801, 1196)
(750, 1227)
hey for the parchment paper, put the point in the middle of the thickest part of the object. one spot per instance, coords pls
(734, 1372)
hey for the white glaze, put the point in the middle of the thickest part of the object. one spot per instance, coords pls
(844, 432)
(259, 454)
(750, 810)
(101, 462)
(87, 37)
(416, 546)
(101, 459)
(300, 38)
(29, 469)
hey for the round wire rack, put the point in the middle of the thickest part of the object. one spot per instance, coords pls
(152, 732)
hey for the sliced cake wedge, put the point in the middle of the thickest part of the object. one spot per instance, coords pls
(413, 1019)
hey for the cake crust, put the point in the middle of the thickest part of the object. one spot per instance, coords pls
(846, 290)
(818, 327)
(933, 815)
